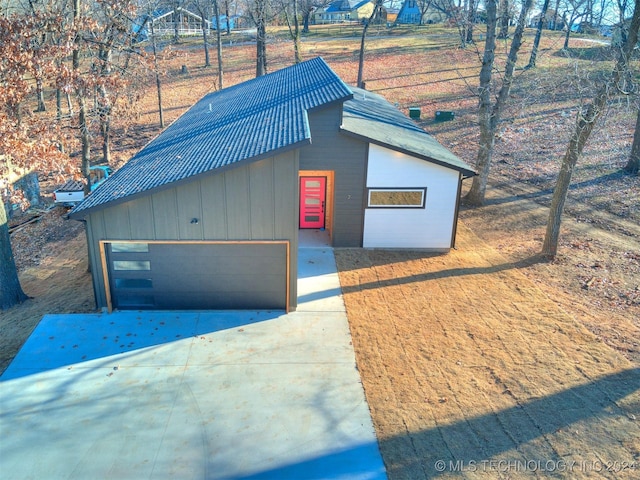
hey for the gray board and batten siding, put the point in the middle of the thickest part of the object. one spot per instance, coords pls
(253, 201)
(346, 157)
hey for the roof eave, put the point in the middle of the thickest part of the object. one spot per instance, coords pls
(466, 172)
(81, 215)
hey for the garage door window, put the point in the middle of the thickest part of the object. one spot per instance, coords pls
(132, 265)
(397, 197)
(134, 283)
(130, 247)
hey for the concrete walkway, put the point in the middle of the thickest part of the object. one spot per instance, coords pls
(184, 395)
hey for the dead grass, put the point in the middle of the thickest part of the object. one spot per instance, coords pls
(466, 361)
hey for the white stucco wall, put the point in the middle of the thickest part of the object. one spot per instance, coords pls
(430, 227)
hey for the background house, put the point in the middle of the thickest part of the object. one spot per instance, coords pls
(552, 20)
(207, 215)
(411, 13)
(167, 22)
(231, 22)
(340, 11)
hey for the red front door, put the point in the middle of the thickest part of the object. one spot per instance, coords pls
(313, 192)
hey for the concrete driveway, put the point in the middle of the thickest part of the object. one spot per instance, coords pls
(210, 395)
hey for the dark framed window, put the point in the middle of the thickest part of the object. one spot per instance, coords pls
(396, 197)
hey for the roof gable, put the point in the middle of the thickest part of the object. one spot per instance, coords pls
(249, 120)
(346, 5)
(369, 116)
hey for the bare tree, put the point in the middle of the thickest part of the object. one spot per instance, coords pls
(576, 9)
(307, 7)
(203, 8)
(471, 20)
(293, 24)
(586, 120)
(114, 41)
(226, 13)
(489, 114)
(374, 14)
(81, 90)
(504, 18)
(536, 40)
(176, 5)
(156, 71)
(461, 13)
(147, 24)
(216, 12)
(258, 14)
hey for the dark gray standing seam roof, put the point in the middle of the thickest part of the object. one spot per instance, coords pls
(371, 117)
(249, 120)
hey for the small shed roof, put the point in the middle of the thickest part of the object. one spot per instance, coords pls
(246, 121)
(369, 116)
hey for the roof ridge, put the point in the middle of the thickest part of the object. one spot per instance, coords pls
(247, 120)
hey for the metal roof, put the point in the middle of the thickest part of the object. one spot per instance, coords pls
(249, 120)
(345, 5)
(371, 117)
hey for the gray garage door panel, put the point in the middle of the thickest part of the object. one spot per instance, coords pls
(181, 276)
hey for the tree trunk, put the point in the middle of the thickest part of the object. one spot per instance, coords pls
(305, 21)
(261, 48)
(10, 290)
(226, 12)
(504, 19)
(555, 16)
(176, 23)
(58, 104)
(216, 10)
(296, 33)
(633, 164)
(104, 102)
(157, 73)
(470, 21)
(360, 80)
(587, 118)
(579, 138)
(294, 30)
(489, 117)
(69, 104)
(205, 41)
(40, 94)
(81, 95)
(565, 46)
(259, 18)
(105, 129)
(536, 40)
(85, 138)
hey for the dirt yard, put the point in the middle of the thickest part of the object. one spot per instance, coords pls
(477, 364)
(486, 362)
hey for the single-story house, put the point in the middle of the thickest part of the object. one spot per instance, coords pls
(206, 216)
(340, 11)
(552, 20)
(169, 22)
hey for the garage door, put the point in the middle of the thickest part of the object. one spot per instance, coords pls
(197, 276)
